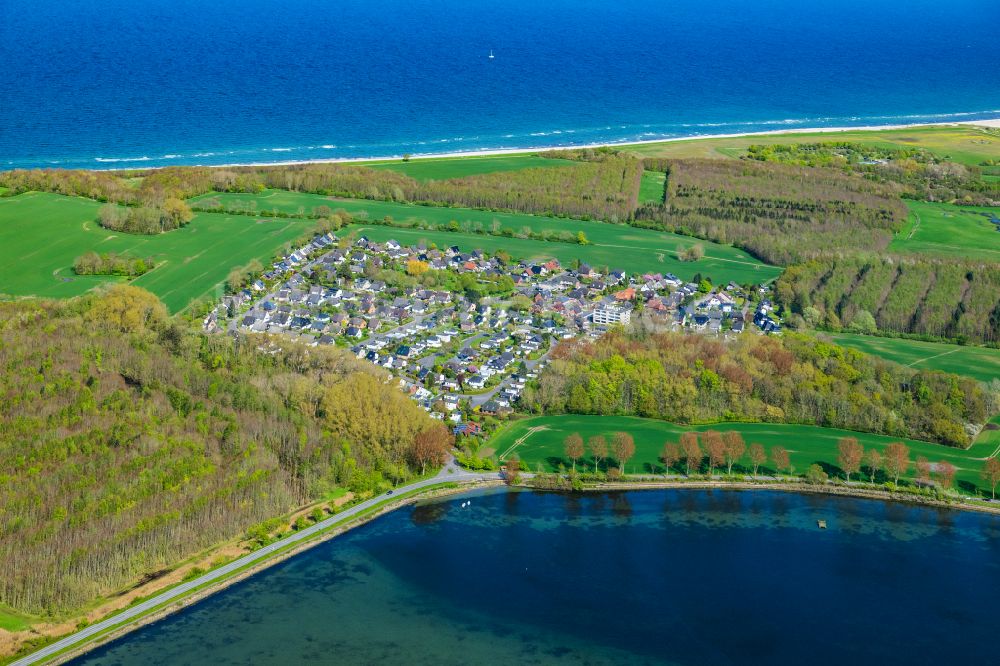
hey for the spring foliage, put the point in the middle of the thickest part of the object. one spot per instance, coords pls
(129, 442)
(794, 379)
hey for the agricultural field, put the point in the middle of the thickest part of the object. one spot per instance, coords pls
(950, 231)
(967, 144)
(42, 234)
(615, 246)
(982, 363)
(539, 440)
(443, 168)
(651, 187)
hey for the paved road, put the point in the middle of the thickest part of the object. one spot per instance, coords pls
(450, 473)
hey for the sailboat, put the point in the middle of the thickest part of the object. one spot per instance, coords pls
(491, 54)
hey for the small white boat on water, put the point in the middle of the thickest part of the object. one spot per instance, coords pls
(491, 54)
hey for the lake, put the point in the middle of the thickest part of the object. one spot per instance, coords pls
(139, 83)
(665, 576)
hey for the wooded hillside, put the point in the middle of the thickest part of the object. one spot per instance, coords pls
(129, 442)
(781, 213)
(793, 379)
(939, 298)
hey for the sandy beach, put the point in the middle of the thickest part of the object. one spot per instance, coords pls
(992, 123)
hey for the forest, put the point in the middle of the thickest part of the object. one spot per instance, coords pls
(692, 379)
(131, 442)
(780, 213)
(919, 173)
(935, 298)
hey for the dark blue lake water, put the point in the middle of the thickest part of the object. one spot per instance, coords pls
(684, 577)
(130, 83)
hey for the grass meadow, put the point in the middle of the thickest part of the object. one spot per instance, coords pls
(444, 168)
(539, 441)
(615, 246)
(42, 234)
(982, 363)
(961, 143)
(961, 232)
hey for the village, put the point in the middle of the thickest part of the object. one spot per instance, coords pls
(463, 330)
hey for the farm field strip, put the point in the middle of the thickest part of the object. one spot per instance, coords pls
(982, 363)
(444, 168)
(612, 245)
(962, 232)
(539, 440)
(42, 234)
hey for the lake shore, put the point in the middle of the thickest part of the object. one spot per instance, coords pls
(791, 486)
(493, 152)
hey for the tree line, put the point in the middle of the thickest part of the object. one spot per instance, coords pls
(696, 453)
(173, 214)
(111, 263)
(793, 379)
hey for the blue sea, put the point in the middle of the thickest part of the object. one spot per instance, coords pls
(651, 577)
(139, 83)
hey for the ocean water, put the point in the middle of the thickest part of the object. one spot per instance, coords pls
(138, 83)
(665, 577)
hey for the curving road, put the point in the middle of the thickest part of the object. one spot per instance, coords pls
(450, 473)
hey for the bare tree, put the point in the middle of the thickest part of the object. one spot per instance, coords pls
(923, 469)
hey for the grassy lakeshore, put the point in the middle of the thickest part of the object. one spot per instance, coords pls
(539, 441)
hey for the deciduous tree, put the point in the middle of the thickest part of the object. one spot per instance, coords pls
(691, 451)
(991, 474)
(946, 474)
(757, 456)
(849, 455)
(670, 455)
(923, 468)
(599, 449)
(734, 448)
(624, 448)
(780, 458)
(873, 460)
(431, 446)
(715, 447)
(897, 460)
(573, 444)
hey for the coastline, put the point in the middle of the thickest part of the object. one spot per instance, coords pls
(494, 152)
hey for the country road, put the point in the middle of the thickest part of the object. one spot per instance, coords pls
(450, 473)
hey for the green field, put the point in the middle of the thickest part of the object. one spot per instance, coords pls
(42, 234)
(651, 187)
(980, 363)
(443, 168)
(615, 246)
(960, 143)
(540, 440)
(950, 231)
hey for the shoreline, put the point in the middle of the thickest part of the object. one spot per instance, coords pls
(494, 152)
(792, 486)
